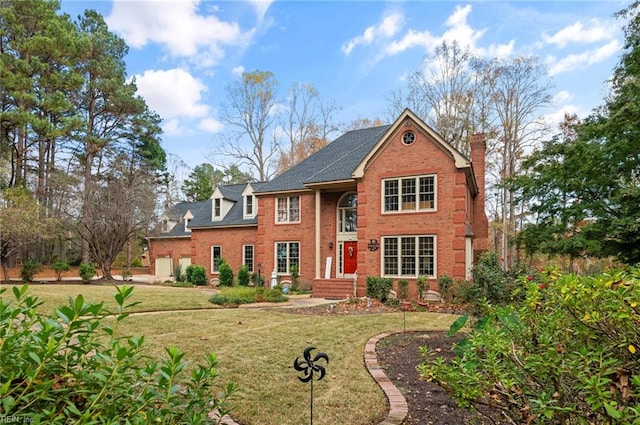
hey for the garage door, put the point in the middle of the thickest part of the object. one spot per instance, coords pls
(164, 267)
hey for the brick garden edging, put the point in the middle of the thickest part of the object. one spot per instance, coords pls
(398, 408)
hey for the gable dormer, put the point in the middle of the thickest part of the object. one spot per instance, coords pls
(167, 224)
(249, 203)
(220, 205)
(188, 216)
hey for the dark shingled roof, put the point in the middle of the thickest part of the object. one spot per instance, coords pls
(235, 216)
(177, 212)
(334, 162)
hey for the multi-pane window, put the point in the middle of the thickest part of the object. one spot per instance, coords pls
(288, 209)
(408, 256)
(287, 255)
(409, 194)
(217, 207)
(391, 195)
(248, 205)
(216, 254)
(247, 257)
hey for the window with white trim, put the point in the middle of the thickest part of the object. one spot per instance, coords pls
(287, 255)
(248, 205)
(409, 256)
(288, 209)
(216, 255)
(247, 256)
(217, 207)
(409, 194)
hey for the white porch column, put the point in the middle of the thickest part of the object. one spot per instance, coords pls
(318, 244)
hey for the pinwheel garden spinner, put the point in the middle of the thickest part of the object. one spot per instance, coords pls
(309, 367)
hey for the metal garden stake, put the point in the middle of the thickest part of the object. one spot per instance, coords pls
(308, 367)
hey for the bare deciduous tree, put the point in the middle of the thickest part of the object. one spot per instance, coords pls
(459, 94)
(250, 110)
(307, 125)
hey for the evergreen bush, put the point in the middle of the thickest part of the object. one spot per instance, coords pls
(196, 275)
(60, 267)
(30, 268)
(76, 366)
(243, 276)
(379, 287)
(567, 353)
(86, 271)
(225, 273)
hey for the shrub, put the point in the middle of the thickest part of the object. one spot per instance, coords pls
(60, 267)
(243, 276)
(423, 286)
(225, 273)
(445, 285)
(76, 366)
(403, 289)
(29, 269)
(136, 262)
(379, 287)
(196, 275)
(86, 271)
(492, 284)
(235, 296)
(568, 353)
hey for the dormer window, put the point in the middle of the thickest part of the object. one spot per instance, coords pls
(165, 226)
(187, 219)
(248, 205)
(217, 207)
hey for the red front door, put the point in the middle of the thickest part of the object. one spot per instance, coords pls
(350, 255)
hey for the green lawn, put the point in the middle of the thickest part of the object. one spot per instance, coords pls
(151, 298)
(256, 349)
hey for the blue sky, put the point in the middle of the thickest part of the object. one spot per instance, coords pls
(184, 53)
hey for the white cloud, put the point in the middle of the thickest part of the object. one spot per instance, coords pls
(562, 96)
(261, 7)
(177, 26)
(238, 70)
(387, 28)
(581, 60)
(210, 125)
(458, 29)
(173, 93)
(171, 127)
(594, 31)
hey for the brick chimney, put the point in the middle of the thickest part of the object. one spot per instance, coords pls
(480, 223)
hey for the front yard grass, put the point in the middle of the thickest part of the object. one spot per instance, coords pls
(256, 349)
(151, 298)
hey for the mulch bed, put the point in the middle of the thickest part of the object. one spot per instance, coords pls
(428, 403)
(399, 354)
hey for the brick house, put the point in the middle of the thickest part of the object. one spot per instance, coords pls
(394, 200)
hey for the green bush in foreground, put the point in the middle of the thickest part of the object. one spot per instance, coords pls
(238, 295)
(567, 354)
(72, 367)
